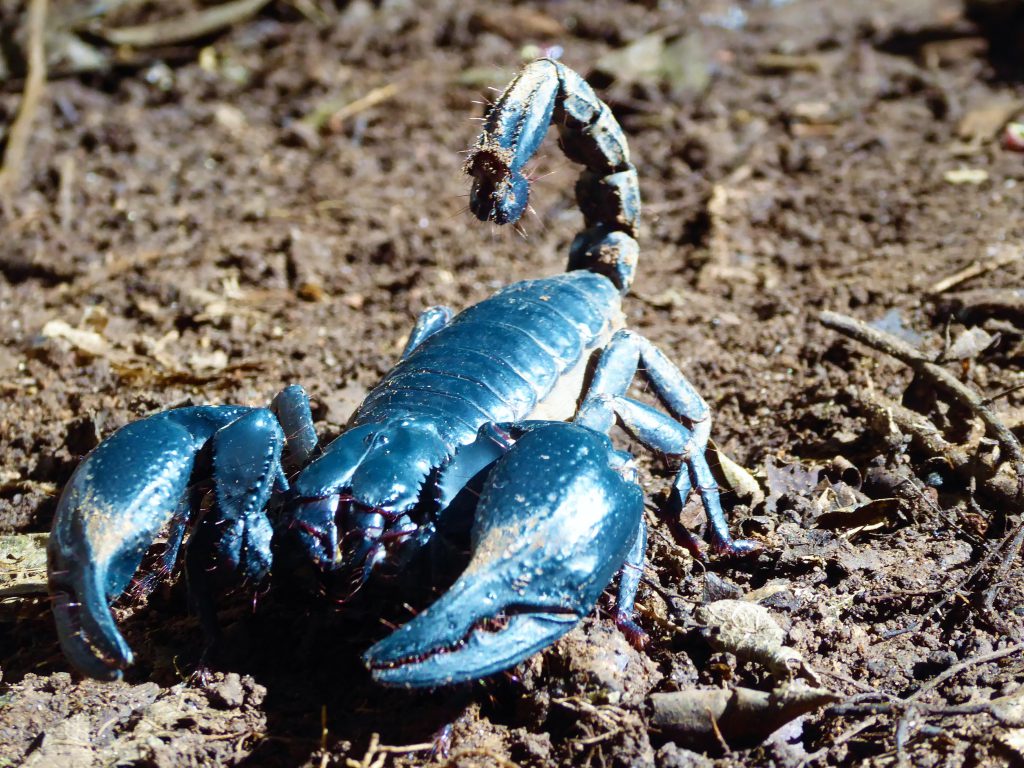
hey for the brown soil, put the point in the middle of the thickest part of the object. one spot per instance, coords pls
(222, 250)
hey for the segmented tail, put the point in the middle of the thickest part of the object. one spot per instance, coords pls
(607, 191)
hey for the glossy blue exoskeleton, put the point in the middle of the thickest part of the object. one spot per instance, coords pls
(517, 392)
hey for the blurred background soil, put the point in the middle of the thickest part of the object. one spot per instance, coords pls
(211, 218)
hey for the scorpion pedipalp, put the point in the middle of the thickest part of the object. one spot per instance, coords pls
(555, 521)
(150, 477)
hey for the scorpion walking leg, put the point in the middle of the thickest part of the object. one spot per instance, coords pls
(291, 407)
(605, 399)
(629, 582)
(430, 321)
(143, 585)
(659, 432)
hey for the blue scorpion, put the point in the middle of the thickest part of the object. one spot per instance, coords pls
(496, 418)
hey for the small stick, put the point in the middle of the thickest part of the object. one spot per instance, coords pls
(1002, 302)
(926, 436)
(187, 27)
(903, 734)
(372, 99)
(956, 669)
(965, 396)
(839, 741)
(1001, 488)
(943, 379)
(907, 707)
(335, 113)
(891, 707)
(976, 269)
(35, 83)
(1016, 540)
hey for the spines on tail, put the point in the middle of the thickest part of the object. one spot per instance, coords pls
(608, 193)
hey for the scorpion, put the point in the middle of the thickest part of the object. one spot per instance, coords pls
(494, 420)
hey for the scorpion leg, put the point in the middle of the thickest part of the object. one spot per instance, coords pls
(291, 407)
(605, 399)
(662, 433)
(629, 582)
(430, 321)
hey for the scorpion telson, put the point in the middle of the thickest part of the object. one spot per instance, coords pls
(493, 421)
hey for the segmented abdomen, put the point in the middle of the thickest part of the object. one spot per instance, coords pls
(498, 359)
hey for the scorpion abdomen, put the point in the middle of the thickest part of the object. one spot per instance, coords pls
(514, 351)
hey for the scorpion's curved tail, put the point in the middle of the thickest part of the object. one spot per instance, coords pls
(547, 92)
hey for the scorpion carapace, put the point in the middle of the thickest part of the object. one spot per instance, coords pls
(512, 398)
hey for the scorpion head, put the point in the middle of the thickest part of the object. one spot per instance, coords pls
(356, 500)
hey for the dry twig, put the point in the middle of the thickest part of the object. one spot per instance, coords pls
(968, 398)
(907, 707)
(35, 84)
(857, 706)
(976, 269)
(1002, 303)
(336, 112)
(927, 438)
(377, 753)
(939, 376)
(186, 27)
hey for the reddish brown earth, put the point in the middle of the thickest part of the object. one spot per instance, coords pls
(219, 249)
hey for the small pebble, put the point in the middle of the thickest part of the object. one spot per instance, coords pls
(228, 693)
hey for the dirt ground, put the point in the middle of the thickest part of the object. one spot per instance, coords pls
(210, 220)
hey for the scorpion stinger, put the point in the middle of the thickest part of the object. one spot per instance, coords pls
(548, 93)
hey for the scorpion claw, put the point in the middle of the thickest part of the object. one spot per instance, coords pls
(128, 489)
(554, 523)
(111, 511)
(451, 643)
(86, 629)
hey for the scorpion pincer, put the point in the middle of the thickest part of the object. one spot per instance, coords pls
(496, 418)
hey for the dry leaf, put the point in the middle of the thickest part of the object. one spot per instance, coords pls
(739, 480)
(743, 717)
(751, 633)
(23, 564)
(88, 342)
(985, 121)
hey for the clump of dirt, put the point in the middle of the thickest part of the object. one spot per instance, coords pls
(211, 220)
